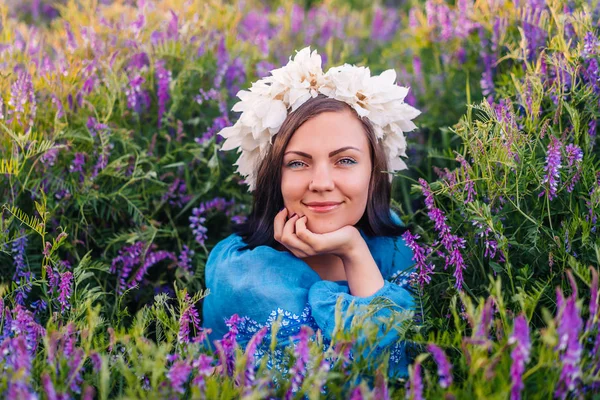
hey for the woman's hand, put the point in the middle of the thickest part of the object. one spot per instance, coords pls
(295, 236)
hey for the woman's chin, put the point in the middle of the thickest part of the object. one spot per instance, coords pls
(322, 228)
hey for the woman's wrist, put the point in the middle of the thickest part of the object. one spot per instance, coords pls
(362, 273)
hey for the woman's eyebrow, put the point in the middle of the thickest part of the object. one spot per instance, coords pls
(333, 153)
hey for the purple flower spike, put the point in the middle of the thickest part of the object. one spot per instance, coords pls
(356, 394)
(574, 159)
(64, 289)
(22, 94)
(444, 367)
(226, 346)
(48, 386)
(163, 79)
(486, 319)
(254, 342)
(185, 259)
(520, 355)
(298, 371)
(204, 367)
(385, 24)
(590, 44)
(553, 165)
(189, 315)
(178, 375)
(569, 325)
(415, 383)
(452, 243)
(424, 271)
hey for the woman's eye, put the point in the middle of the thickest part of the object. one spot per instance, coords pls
(295, 164)
(347, 161)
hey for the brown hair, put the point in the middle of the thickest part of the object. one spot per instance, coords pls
(268, 200)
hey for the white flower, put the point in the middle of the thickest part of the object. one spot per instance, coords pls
(266, 104)
(299, 80)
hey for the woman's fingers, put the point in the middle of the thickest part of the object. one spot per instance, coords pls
(290, 240)
(304, 234)
(279, 223)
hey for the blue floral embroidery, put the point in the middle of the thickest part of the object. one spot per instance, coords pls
(290, 325)
(401, 278)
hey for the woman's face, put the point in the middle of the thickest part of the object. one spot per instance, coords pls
(326, 171)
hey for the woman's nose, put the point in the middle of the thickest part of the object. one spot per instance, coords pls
(322, 179)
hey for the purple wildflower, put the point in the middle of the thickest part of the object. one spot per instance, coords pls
(96, 360)
(173, 26)
(23, 324)
(424, 271)
(198, 229)
(415, 383)
(534, 35)
(189, 315)
(297, 18)
(163, 79)
(235, 76)
(553, 165)
(17, 363)
(203, 365)
(469, 184)
(60, 110)
(185, 259)
(445, 16)
(77, 165)
(176, 194)
(569, 324)
(298, 370)
(385, 24)
(64, 289)
(88, 393)
(574, 158)
(48, 386)
(138, 99)
(255, 28)
(198, 219)
(254, 342)
(226, 346)
(486, 319)
(239, 219)
(178, 374)
(520, 355)
(487, 76)
(75, 363)
(356, 394)
(22, 94)
(452, 243)
(18, 251)
(102, 132)
(218, 124)
(128, 258)
(444, 367)
(71, 42)
(590, 44)
(152, 258)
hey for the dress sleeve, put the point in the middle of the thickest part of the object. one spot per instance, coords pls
(323, 297)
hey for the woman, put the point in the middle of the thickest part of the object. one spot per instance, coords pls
(321, 228)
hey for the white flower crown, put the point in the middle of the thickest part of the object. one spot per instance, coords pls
(266, 105)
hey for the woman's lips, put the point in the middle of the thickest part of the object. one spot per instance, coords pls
(323, 208)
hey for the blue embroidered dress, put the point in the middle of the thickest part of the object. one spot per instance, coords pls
(261, 284)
